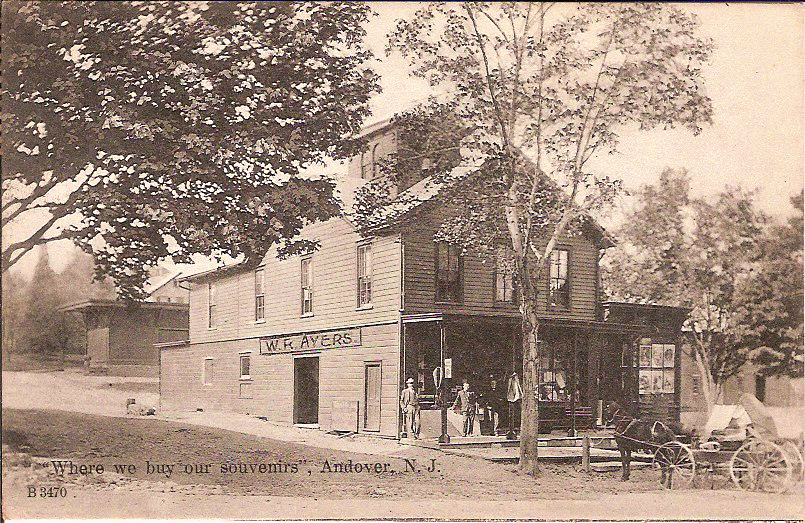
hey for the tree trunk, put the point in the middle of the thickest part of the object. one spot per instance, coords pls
(711, 390)
(529, 419)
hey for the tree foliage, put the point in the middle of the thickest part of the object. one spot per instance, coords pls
(33, 325)
(769, 318)
(142, 130)
(697, 253)
(536, 90)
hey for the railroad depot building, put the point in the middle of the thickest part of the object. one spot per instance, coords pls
(329, 338)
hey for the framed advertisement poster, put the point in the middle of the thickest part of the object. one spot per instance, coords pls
(645, 355)
(657, 380)
(668, 355)
(668, 380)
(656, 355)
(645, 381)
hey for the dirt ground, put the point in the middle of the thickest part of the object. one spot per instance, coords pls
(70, 416)
(457, 487)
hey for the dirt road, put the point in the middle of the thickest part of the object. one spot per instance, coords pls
(457, 487)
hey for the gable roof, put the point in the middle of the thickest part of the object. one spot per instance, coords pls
(155, 286)
(430, 190)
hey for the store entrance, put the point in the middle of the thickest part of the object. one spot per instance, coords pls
(306, 391)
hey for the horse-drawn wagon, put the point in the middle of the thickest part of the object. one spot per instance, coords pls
(739, 441)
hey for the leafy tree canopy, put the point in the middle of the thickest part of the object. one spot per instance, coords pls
(144, 130)
(536, 90)
(769, 317)
(726, 260)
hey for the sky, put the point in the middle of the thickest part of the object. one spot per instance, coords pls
(755, 80)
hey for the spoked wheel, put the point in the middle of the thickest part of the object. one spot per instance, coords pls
(760, 465)
(794, 454)
(676, 465)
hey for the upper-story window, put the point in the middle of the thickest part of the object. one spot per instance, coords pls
(368, 161)
(448, 273)
(504, 275)
(364, 275)
(559, 295)
(212, 319)
(366, 165)
(307, 286)
(259, 295)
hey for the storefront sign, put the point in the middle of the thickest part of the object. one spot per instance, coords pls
(337, 339)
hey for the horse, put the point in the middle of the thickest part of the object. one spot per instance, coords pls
(633, 434)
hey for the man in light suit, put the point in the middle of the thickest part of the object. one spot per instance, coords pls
(409, 404)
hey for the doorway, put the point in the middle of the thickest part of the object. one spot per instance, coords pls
(306, 391)
(371, 416)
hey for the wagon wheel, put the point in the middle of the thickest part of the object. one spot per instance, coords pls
(794, 453)
(760, 465)
(676, 464)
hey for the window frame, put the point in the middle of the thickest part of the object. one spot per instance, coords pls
(459, 298)
(510, 278)
(260, 298)
(306, 277)
(207, 376)
(650, 366)
(248, 357)
(212, 305)
(567, 292)
(366, 277)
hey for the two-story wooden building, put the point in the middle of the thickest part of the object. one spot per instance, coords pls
(329, 338)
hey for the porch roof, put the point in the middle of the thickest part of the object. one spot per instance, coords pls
(606, 326)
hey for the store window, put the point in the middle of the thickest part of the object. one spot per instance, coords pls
(448, 273)
(364, 275)
(259, 295)
(307, 286)
(559, 294)
(504, 275)
(555, 372)
(245, 366)
(657, 367)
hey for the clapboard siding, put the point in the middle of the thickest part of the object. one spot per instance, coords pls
(334, 289)
(479, 284)
(341, 377)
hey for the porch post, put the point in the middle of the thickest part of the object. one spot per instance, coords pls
(574, 383)
(442, 392)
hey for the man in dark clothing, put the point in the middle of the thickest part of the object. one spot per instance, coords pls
(465, 404)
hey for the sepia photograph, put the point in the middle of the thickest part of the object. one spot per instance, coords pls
(402, 260)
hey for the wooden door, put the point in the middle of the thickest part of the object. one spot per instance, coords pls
(371, 416)
(306, 390)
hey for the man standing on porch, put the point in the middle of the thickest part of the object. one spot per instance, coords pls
(465, 403)
(409, 403)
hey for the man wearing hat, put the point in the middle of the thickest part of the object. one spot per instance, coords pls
(409, 403)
